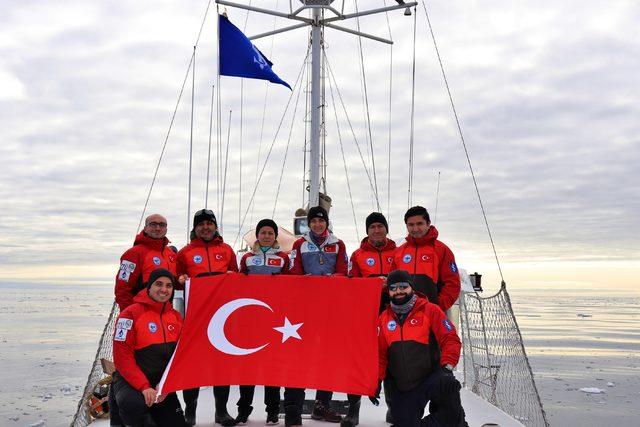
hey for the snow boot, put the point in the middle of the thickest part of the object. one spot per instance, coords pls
(352, 418)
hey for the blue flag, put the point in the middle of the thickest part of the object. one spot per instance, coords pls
(240, 58)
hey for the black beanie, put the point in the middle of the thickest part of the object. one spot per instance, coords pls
(317, 212)
(415, 211)
(202, 215)
(160, 272)
(267, 223)
(397, 276)
(376, 217)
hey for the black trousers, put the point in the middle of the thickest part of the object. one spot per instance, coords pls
(324, 397)
(271, 398)
(133, 410)
(407, 407)
(293, 402)
(220, 394)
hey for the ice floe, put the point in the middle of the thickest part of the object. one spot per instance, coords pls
(592, 390)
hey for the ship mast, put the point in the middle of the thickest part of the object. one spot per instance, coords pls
(318, 21)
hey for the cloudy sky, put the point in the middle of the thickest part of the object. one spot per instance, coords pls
(547, 93)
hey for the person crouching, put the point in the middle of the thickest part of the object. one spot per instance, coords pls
(143, 342)
(405, 362)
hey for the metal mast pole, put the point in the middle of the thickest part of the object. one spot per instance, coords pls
(314, 152)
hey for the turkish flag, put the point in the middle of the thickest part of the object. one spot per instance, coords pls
(314, 332)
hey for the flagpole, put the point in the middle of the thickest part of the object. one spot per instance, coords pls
(314, 152)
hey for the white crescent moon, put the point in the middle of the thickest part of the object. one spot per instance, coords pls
(215, 331)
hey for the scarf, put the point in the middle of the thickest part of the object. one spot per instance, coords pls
(401, 310)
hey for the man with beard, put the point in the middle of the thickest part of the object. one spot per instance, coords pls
(150, 251)
(206, 255)
(407, 330)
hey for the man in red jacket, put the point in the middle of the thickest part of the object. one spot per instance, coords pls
(430, 262)
(143, 342)
(206, 255)
(150, 251)
(407, 330)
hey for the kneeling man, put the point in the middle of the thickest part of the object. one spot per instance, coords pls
(414, 377)
(144, 340)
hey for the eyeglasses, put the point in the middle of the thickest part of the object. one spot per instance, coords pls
(400, 285)
(204, 212)
(157, 224)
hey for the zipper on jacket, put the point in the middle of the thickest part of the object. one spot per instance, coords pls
(164, 334)
(206, 248)
(380, 257)
(402, 347)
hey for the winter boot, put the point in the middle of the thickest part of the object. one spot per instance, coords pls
(389, 417)
(353, 415)
(243, 415)
(322, 412)
(190, 414)
(272, 418)
(223, 418)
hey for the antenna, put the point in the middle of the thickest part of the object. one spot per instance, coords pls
(318, 22)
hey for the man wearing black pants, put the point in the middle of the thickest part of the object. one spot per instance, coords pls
(408, 330)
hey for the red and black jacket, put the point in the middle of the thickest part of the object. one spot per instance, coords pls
(145, 337)
(432, 266)
(405, 349)
(371, 261)
(200, 258)
(137, 263)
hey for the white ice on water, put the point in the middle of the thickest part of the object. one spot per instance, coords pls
(592, 390)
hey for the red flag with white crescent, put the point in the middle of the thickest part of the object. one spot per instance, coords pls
(290, 331)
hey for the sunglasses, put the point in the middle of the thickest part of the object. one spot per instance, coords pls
(400, 285)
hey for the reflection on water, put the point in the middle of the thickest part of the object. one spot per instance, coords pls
(50, 333)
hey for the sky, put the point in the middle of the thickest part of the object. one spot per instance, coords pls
(546, 92)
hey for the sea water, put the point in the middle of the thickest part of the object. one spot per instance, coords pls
(576, 338)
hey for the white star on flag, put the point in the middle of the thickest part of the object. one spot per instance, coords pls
(288, 330)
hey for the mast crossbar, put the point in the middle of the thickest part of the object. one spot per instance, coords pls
(358, 33)
(278, 31)
(266, 11)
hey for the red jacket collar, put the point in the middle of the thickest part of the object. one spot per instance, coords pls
(366, 246)
(215, 241)
(143, 298)
(429, 238)
(157, 244)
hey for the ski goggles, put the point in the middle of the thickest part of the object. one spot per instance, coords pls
(399, 286)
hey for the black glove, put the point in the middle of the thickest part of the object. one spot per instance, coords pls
(448, 382)
(376, 396)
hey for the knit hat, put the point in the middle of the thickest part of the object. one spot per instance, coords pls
(158, 273)
(375, 217)
(415, 211)
(317, 212)
(267, 223)
(399, 276)
(203, 215)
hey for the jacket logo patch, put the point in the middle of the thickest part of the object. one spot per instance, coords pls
(126, 268)
(311, 247)
(448, 326)
(218, 257)
(392, 325)
(197, 259)
(274, 262)
(124, 323)
(153, 328)
(424, 257)
(120, 335)
(390, 259)
(256, 261)
(415, 322)
(370, 262)
(171, 327)
(331, 249)
(453, 267)
(157, 260)
(406, 259)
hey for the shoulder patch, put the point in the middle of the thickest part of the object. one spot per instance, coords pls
(453, 267)
(120, 335)
(448, 326)
(124, 323)
(126, 268)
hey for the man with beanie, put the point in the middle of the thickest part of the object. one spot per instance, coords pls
(407, 330)
(373, 258)
(206, 255)
(265, 257)
(145, 337)
(317, 253)
(430, 262)
(150, 251)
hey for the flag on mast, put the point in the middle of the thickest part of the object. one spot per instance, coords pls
(240, 58)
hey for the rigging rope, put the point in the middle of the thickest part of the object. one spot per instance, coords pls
(390, 112)
(364, 164)
(286, 151)
(368, 115)
(266, 160)
(173, 117)
(464, 144)
(413, 109)
(193, 94)
(206, 194)
(344, 160)
(224, 181)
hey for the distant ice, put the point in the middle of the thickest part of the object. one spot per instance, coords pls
(66, 389)
(38, 423)
(592, 390)
(610, 384)
(584, 315)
